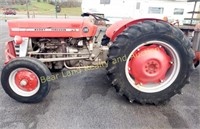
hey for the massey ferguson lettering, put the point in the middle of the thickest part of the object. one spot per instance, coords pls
(46, 29)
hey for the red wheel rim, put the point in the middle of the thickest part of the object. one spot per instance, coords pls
(26, 80)
(149, 64)
(152, 66)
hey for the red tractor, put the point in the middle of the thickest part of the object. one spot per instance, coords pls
(148, 60)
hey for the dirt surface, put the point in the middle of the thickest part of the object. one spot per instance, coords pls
(87, 101)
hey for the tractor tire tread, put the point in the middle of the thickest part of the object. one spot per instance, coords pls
(136, 31)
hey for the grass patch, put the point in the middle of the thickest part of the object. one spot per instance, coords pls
(46, 9)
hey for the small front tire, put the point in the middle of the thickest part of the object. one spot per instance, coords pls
(21, 80)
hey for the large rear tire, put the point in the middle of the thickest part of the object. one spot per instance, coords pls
(21, 80)
(150, 62)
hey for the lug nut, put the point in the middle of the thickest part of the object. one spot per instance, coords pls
(161, 81)
(171, 62)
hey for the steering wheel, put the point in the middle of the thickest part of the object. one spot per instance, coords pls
(95, 16)
(100, 18)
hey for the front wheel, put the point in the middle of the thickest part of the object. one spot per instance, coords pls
(150, 62)
(21, 80)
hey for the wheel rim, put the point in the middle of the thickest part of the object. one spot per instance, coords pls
(152, 77)
(24, 82)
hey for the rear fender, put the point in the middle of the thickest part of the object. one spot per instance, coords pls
(115, 29)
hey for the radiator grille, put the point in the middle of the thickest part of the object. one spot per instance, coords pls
(17, 50)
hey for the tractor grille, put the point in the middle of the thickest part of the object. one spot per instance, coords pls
(17, 50)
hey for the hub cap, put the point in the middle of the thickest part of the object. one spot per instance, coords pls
(149, 64)
(24, 82)
(152, 67)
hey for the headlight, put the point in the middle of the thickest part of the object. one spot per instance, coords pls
(18, 40)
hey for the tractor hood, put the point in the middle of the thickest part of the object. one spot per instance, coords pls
(75, 28)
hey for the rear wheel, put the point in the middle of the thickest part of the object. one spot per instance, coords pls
(21, 80)
(150, 62)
